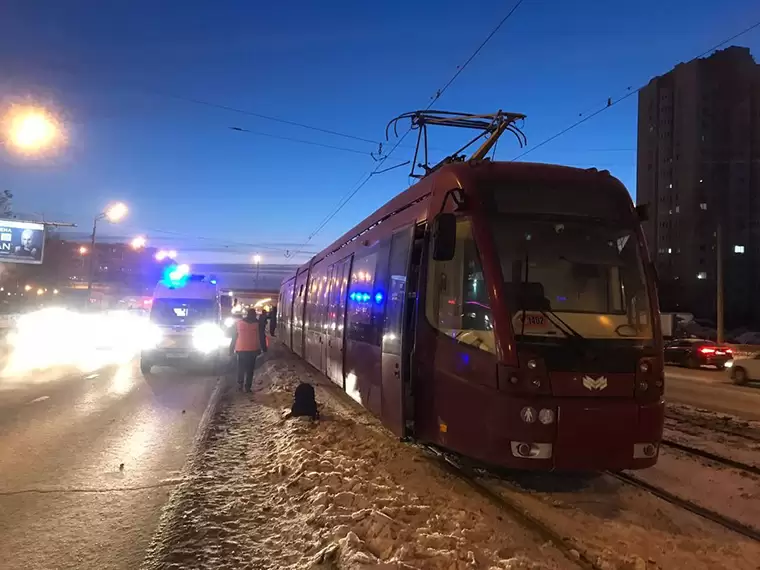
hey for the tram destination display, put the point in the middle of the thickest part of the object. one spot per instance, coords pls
(21, 242)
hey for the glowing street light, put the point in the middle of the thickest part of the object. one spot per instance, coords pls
(40, 291)
(27, 287)
(82, 250)
(164, 254)
(139, 242)
(113, 213)
(55, 291)
(31, 130)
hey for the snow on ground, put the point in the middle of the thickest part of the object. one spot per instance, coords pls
(341, 493)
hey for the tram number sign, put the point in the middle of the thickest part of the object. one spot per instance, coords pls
(535, 321)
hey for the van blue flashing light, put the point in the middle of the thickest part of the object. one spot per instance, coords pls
(176, 275)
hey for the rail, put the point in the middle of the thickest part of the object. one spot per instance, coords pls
(717, 518)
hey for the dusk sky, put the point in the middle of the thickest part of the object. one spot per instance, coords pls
(122, 79)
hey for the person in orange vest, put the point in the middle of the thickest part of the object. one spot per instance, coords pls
(246, 343)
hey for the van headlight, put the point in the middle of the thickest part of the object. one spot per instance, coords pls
(209, 337)
(152, 337)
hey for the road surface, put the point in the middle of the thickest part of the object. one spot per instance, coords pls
(64, 501)
(712, 390)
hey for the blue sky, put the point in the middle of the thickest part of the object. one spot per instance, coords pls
(121, 78)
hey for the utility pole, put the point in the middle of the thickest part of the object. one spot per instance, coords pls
(91, 266)
(719, 281)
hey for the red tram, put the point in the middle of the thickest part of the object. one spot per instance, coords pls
(503, 311)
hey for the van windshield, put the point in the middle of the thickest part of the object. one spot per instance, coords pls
(182, 311)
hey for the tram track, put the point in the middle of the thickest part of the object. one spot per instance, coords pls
(717, 518)
(574, 550)
(710, 426)
(575, 553)
(739, 465)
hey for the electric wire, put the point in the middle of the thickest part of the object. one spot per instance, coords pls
(366, 178)
(613, 102)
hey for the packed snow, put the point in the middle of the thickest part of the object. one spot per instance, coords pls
(339, 493)
(267, 492)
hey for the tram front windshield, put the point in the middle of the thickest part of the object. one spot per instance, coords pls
(565, 277)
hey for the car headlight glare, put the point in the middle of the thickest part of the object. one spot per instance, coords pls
(153, 337)
(208, 337)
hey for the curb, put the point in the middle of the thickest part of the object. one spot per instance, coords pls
(160, 539)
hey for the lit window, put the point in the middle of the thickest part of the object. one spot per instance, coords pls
(738, 249)
(700, 181)
(670, 212)
(670, 185)
(702, 275)
(703, 206)
(678, 209)
(670, 250)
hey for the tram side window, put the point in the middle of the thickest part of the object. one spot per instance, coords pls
(315, 304)
(457, 298)
(361, 321)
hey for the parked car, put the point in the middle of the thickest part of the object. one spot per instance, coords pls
(742, 370)
(697, 352)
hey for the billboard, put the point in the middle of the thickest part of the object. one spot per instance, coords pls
(21, 242)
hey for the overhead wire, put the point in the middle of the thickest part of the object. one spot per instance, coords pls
(72, 69)
(302, 141)
(613, 102)
(366, 178)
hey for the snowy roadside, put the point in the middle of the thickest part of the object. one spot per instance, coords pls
(342, 493)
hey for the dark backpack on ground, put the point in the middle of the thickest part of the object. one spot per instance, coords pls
(304, 402)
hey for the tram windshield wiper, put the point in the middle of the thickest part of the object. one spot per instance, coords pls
(562, 325)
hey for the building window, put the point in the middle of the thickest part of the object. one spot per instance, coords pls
(678, 209)
(670, 250)
(703, 206)
(738, 249)
(702, 275)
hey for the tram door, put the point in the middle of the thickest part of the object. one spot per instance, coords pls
(328, 319)
(392, 385)
(337, 319)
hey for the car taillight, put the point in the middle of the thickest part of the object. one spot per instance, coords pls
(706, 350)
(729, 351)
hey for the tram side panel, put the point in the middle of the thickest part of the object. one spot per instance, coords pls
(285, 309)
(364, 324)
(340, 273)
(315, 314)
(299, 304)
(392, 340)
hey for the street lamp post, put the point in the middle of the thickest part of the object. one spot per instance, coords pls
(113, 213)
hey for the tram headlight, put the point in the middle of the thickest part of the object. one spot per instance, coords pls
(546, 416)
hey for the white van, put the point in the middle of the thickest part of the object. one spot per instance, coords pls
(185, 324)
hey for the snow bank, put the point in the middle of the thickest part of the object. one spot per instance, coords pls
(341, 493)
